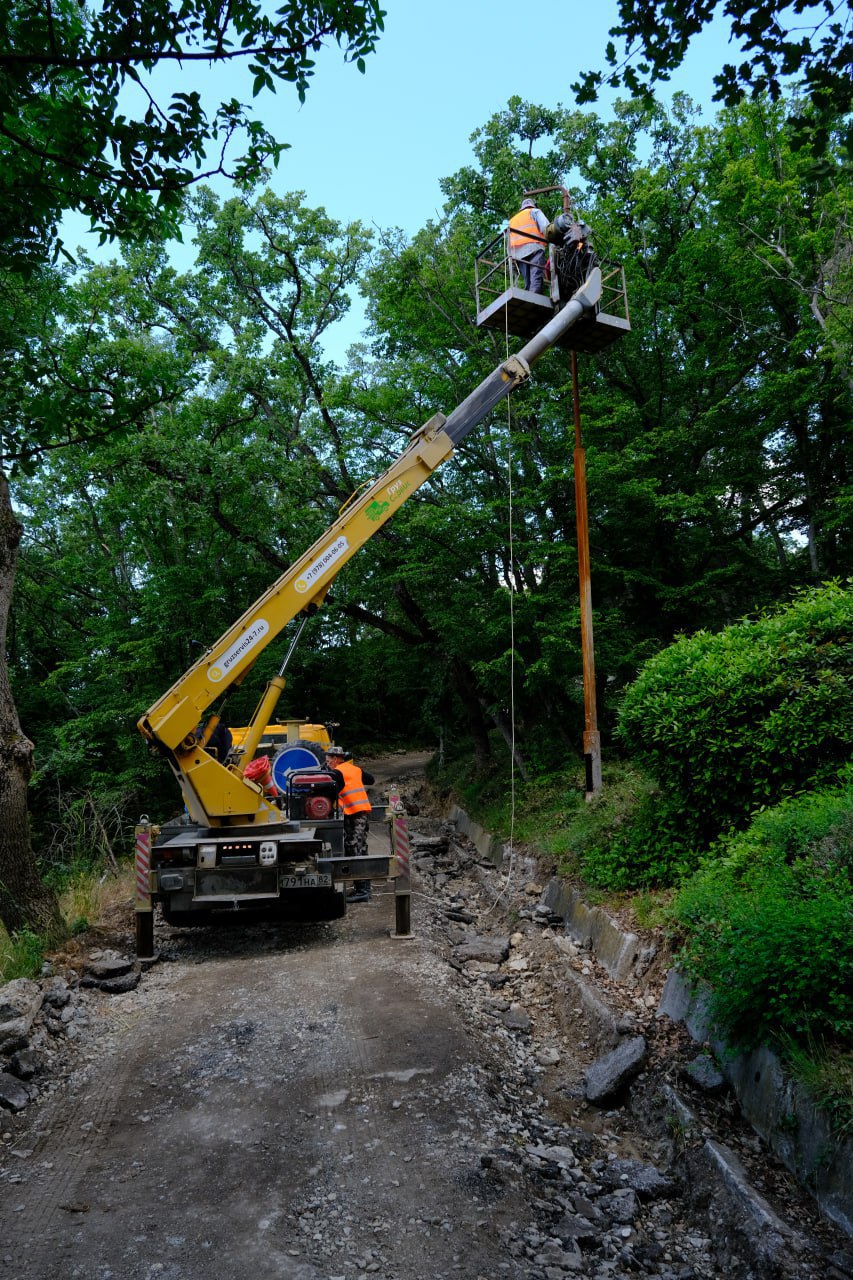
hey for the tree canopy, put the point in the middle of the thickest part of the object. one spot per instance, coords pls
(809, 42)
(84, 125)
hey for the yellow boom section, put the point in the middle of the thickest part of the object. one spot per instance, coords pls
(174, 716)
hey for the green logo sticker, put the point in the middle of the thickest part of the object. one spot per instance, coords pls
(374, 509)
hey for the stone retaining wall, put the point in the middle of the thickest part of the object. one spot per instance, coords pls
(777, 1107)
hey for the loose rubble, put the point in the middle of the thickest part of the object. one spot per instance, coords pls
(605, 1209)
(41, 1021)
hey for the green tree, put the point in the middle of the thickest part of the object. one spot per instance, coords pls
(66, 143)
(810, 42)
(167, 531)
(700, 501)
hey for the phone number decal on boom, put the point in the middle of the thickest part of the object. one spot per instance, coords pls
(324, 561)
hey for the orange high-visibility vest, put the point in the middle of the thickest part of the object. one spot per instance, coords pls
(353, 797)
(523, 230)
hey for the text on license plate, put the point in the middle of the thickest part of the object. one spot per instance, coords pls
(316, 880)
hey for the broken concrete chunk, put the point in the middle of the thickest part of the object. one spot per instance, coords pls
(704, 1073)
(621, 1206)
(489, 950)
(561, 1155)
(616, 1069)
(463, 917)
(20, 1001)
(56, 994)
(437, 843)
(574, 1227)
(648, 1182)
(516, 1019)
(13, 1095)
(23, 1064)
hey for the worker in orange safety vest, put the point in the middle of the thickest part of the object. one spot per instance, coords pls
(353, 799)
(527, 243)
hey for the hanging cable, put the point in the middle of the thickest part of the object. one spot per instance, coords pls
(511, 578)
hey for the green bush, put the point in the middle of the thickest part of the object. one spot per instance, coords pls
(730, 722)
(768, 924)
(815, 828)
(627, 839)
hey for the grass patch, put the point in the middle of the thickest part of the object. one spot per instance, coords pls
(826, 1071)
(21, 954)
(584, 838)
(91, 894)
(82, 897)
(653, 910)
(88, 896)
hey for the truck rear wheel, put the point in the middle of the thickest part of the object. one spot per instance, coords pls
(335, 905)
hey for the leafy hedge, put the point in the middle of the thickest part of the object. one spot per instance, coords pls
(728, 722)
(769, 923)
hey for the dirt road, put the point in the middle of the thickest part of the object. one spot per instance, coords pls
(328, 1102)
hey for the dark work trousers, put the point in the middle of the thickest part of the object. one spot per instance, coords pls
(532, 270)
(356, 826)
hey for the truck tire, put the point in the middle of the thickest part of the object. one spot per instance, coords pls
(314, 747)
(336, 905)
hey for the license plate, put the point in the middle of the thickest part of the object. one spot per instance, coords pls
(319, 880)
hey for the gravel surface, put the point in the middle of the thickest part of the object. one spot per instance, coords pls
(329, 1102)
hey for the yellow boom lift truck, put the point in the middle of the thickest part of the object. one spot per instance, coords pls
(272, 835)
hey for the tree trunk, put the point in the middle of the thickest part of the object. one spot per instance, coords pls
(469, 696)
(24, 899)
(507, 734)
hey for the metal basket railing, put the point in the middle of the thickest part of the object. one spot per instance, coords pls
(495, 272)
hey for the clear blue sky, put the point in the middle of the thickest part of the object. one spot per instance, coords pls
(375, 146)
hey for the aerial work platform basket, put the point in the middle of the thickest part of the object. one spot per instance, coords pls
(503, 302)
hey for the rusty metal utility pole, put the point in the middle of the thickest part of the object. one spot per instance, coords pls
(591, 737)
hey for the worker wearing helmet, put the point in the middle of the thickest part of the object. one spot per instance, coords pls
(352, 797)
(527, 243)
